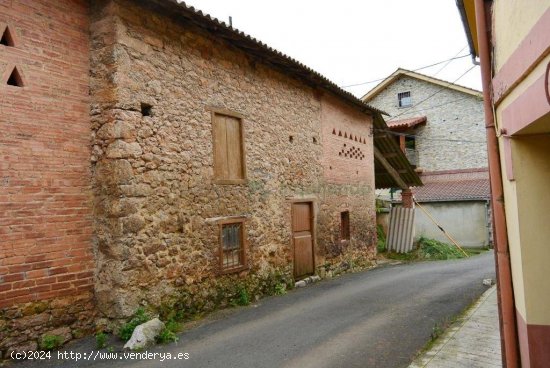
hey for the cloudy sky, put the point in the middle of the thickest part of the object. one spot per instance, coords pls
(356, 41)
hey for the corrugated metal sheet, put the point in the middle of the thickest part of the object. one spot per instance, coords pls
(401, 230)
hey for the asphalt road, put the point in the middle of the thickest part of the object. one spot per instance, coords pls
(378, 318)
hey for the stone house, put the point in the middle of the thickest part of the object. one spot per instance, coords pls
(154, 156)
(439, 125)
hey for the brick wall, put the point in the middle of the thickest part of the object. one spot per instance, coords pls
(454, 135)
(46, 260)
(348, 167)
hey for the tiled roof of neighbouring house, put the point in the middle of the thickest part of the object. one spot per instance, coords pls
(406, 123)
(455, 185)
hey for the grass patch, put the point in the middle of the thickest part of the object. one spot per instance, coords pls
(433, 250)
(51, 342)
(168, 333)
(101, 340)
(128, 328)
(381, 239)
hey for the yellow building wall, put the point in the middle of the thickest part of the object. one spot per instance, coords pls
(528, 210)
(512, 21)
(532, 162)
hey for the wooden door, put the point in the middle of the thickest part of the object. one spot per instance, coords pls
(302, 237)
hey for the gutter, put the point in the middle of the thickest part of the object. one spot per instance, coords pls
(506, 304)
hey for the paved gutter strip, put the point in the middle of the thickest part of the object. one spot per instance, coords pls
(472, 342)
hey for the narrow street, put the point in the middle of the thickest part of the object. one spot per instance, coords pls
(378, 318)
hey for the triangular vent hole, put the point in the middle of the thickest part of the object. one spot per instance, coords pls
(7, 39)
(15, 78)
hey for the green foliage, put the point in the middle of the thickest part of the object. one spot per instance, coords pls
(168, 333)
(433, 250)
(280, 289)
(140, 316)
(50, 342)
(101, 340)
(381, 242)
(242, 296)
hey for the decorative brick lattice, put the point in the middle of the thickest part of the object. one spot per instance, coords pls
(351, 152)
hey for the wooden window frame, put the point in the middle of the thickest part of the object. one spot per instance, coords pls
(244, 245)
(221, 111)
(345, 226)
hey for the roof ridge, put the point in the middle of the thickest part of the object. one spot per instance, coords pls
(308, 73)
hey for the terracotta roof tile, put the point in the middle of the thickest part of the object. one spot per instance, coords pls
(407, 123)
(460, 185)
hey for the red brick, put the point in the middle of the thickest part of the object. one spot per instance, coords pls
(13, 277)
(45, 208)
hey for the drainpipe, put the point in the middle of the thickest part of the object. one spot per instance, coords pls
(508, 328)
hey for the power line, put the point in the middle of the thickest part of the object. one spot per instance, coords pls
(414, 70)
(436, 106)
(439, 90)
(428, 139)
(448, 62)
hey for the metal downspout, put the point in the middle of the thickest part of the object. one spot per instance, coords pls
(508, 328)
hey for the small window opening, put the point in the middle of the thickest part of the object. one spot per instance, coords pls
(404, 99)
(15, 78)
(232, 246)
(7, 38)
(314, 140)
(344, 225)
(291, 138)
(146, 109)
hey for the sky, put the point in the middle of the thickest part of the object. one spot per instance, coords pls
(357, 41)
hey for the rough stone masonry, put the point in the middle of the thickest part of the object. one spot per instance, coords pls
(145, 199)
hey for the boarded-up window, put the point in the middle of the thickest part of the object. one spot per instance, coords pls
(232, 246)
(344, 225)
(229, 164)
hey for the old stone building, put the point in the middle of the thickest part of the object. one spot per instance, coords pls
(439, 125)
(173, 159)
(440, 122)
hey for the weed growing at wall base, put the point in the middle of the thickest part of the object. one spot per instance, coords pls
(128, 328)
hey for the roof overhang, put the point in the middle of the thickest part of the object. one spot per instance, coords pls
(468, 15)
(258, 51)
(392, 169)
(426, 78)
(404, 124)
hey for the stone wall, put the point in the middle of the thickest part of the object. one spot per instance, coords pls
(454, 135)
(46, 259)
(156, 203)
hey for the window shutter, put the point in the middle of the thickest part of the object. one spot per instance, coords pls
(220, 147)
(234, 148)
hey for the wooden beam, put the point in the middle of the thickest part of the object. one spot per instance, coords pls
(391, 154)
(389, 168)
